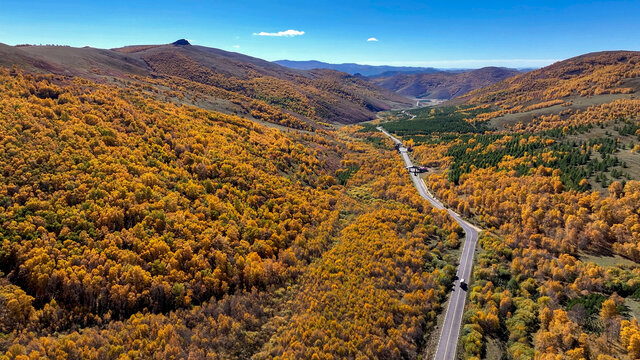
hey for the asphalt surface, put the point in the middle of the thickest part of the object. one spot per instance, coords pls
(448, 342)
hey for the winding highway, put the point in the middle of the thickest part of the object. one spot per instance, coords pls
(448, 341)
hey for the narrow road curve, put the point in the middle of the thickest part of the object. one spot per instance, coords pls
(411, 117)
(448, 342)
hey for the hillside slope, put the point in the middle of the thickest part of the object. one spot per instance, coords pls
(597, 73)
(443, 85)
(318, 94)
(556, 95)
(137, 228)
(310, 96)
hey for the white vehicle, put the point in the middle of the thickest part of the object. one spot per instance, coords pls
(461, 281)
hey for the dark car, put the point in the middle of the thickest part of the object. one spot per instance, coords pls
(463, 285)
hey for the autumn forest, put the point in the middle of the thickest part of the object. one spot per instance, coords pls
(181, 202)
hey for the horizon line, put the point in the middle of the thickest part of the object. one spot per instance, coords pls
(451, 64)
(446, 64)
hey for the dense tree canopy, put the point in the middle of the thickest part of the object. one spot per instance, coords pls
(132, 227)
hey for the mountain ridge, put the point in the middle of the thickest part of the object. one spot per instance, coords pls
(311, 96)
(620, 64)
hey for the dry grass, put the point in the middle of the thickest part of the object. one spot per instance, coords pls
(631, 159)
(494, 350)
(634, 307)
(577, 103)
(609, 261)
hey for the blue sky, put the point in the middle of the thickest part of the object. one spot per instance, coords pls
(416, 33)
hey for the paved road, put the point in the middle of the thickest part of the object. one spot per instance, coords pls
(448, 341)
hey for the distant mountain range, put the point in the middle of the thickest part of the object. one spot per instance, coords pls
(351, 68)
(442, 85)
(417, 82)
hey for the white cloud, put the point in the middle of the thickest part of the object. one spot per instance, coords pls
(286, 33)
(236, 46)
(372, 39)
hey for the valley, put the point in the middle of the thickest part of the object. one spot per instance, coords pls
(549, 188)
(449, 332)
(181, 201)
(131, 220)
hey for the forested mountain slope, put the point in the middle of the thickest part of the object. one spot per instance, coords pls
(132, 227)
(311, 96)
(565, 89)
(590, 74)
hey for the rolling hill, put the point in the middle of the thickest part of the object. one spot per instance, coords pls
(234, 83)
(591, 74)
(442, 85)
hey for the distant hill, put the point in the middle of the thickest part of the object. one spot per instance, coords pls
(235, 83)
(351, 68)
(608, 72)
(442, 85)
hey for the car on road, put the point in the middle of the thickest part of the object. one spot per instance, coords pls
(417, 169)
(463, 285)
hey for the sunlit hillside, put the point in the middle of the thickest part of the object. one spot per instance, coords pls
(548, 162)
(233, 83)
